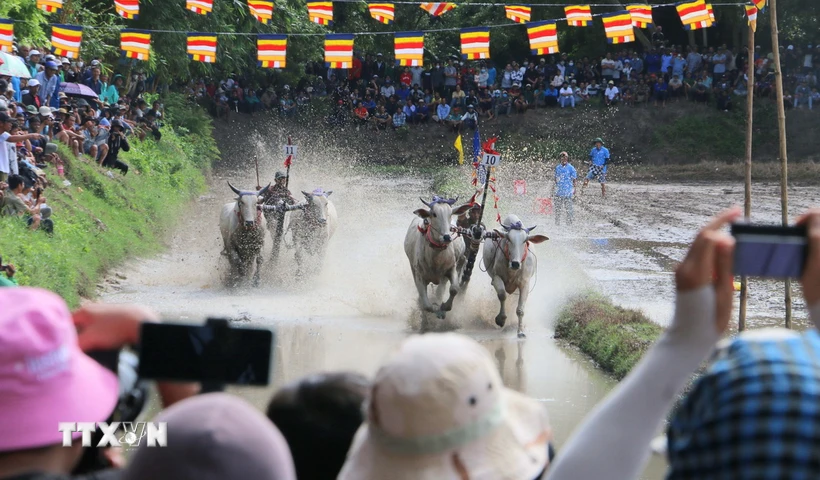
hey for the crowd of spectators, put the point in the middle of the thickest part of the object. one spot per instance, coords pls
(437, 407)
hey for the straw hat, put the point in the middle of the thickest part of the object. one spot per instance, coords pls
(439, 411)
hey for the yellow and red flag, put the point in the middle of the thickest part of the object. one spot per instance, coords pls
(543, 37)
(694, 15)
(641, 15)
(261, 10)
(382, 12)
(65, 40)
(202, 47)
(321, 12)
(711, 13)
(475, 43)
(129, 9)
(6, 34)
(436, 9)
(760, 4)
(272, 50)
(50, 6)
(202, 7)
(135, 44)
(618, 27)
(339, 50)
(751, 14)
(518, 13)
(578, 15)
(409, 49)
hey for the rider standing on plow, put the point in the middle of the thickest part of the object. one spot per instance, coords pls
(277, 194)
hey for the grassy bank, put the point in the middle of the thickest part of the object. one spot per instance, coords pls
(99, 221)
(615, 338)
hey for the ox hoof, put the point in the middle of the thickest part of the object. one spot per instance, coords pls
(500, 320)
(441, 314)
(521, 335)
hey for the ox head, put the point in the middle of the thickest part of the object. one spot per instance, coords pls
(246, 205)
(437, 216)
(517, 236)
(316, 208)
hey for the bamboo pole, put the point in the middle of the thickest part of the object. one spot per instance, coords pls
(784, 158)
(747, 191)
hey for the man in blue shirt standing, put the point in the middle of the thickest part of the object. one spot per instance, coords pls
(599, 157)
(563, 190)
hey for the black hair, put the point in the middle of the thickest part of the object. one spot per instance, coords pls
(318, 416)
(15, 181)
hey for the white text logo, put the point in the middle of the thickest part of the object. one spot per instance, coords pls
(131, 435)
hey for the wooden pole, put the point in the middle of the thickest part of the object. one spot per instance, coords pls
(784, 158)
(280, 216)
(747, 191)
(474, 243)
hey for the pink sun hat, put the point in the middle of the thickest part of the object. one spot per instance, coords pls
(45, 378)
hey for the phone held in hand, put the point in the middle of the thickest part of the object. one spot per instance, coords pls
(215, 353)
(770, 251)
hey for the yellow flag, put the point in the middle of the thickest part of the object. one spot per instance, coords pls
(460, 150)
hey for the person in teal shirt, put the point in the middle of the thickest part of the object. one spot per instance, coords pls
(599, 156)
(110, 93)
(563, 191)
(7, 278)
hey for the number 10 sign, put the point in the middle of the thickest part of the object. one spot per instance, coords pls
(490, 159)
(289, 149)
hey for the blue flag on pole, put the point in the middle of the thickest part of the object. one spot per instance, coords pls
(481, 172)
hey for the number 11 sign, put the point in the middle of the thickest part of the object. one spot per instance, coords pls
(289, 149)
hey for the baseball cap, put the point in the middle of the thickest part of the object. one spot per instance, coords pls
(441, 393)
(46, 112)
(32, 53)
(52, 64)
(44, 376)
(33, 83)
(212, 437)
(94, 63)
(31, 109)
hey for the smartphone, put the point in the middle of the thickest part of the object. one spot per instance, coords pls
(214, 353)
(770, 251)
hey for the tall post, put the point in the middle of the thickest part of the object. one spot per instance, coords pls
(280, 216)
(476, 242)
(784, 158)
(747, 191)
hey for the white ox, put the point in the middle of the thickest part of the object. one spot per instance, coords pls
(243, 230)
(510, 265)
(434, 256)
(313, 225)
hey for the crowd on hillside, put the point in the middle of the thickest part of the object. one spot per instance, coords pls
(454, 93)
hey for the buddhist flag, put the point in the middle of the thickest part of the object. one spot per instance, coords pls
(409, 49)
(711, 13)
(578, 15)
(436, 9)
(339, 50)
(382, 12)
(475, 43)
(543, 37)
(202, 47)
(694, 15)
(641, 15)
(50, 6)
(271, 50)
(618, 27)
(460, 149)
(65, 40)
(202, 7)
(321, 12)
(129, 9)
(760, 4)
(6, 34)
(261, 10)
(518, 13)
(135, 44)
(751, 14)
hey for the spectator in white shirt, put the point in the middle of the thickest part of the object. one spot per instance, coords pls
(567, 96)
(612, 94)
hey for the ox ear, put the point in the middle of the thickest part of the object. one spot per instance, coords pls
(538, 238)
(462, 209)
(500, 233)
(422, 213)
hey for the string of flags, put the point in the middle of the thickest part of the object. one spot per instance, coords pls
(409, 46)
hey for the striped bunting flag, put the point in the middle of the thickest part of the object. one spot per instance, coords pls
(271, 50)
(6, 34)
(202, 7)
(436, 9)
(518, 13)
(135, 44)
(321, 12)
(760, 4)
(711, 13)
(543, 37)
(50, 6)
(65, 40)
(618, 27)
(694, 14)
(261, 10)
(578, 15)
(129, 9)
(641, 15)
(339, 50)
(382, 12)
(751, 14)
(202, 47)
(409, 49)
(475, 43)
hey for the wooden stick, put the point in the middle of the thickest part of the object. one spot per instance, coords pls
(784, 158)
(747, 191)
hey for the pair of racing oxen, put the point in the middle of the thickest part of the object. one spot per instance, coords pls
(243, 226)
(438, 257)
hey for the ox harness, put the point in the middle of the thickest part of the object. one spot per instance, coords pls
(426, 232)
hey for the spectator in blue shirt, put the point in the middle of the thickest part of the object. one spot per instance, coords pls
(653, 62)
(442, 111)
(403, 93)
(599, 156)
(563, 190)
(491, 75)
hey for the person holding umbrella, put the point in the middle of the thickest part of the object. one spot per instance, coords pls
(599, 157)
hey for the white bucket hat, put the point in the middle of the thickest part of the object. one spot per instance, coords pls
(439, 411)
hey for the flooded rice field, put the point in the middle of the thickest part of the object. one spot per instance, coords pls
(363, 302)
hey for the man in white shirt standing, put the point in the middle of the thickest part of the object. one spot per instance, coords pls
(612, 94)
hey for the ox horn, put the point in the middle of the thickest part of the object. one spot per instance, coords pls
(260, 192)
(235, 190)
(506, 228)
(528, 230)
(425, 202)
(452, 201)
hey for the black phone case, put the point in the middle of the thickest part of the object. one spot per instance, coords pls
(773, 230)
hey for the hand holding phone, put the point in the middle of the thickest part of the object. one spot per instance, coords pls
(811, 272)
